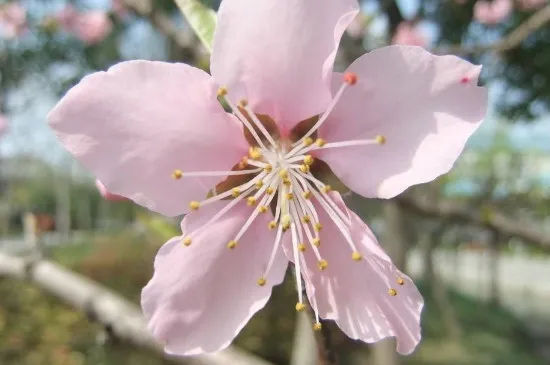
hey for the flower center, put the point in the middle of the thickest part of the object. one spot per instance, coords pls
(276, 177)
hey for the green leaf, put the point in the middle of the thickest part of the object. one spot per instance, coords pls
(201, 18)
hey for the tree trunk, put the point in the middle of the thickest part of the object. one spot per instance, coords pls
(437, 288)
(494, 269)
(395, 242)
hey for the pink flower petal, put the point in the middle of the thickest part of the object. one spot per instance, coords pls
(201, 296)
(356, 294)
(425, 106)
(279, 54)
(106, 194)
(133, 125)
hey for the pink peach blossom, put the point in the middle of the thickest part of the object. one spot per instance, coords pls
(13, 20)
(531, 4)
(106, 194)
(492, 13)
(252, 181)
(408, 35)
(91, 27)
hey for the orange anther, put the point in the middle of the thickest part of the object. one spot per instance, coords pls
(350, 78)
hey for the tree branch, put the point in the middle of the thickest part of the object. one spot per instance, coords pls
(123, 318)
(487, 218)
(512, 40)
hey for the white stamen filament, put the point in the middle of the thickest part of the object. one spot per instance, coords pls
(260, 126)
(360, 142)
(242, 190)
(217, 173)
(296, 262)
(325, 197)
(245, 121)
(305, 228)
(325, 115)
(338, 222)
(274, 251)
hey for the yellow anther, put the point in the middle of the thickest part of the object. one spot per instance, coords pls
(322, 265)
(187, 241)
(177, 174)
(286, 181)
(320, 142)
(261, 281)
(306, 194)
(283, 173)
(400, 281)
(300, 307)
(222, 91)
(243, 102)
(306, 219)
(304, 168)
(194, 205)
(244, 160)
(285, 221)
(356, 256)
(259, 184)
(301, 247)
(268, 168)
(392, 292)
(289, 196)
(254, 153)
(269, 190)
(326, 189)
(308, 141)
(251, 201)
(232, 244)
(380, 139)
(272, 225)
(318, 227)
(316, 242)
(317, 327)
(263, 209)
(308, 160)
(235, 192)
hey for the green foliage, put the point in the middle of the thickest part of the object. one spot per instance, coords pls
(201, 18)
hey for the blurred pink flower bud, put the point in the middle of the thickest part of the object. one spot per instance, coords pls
(408, 35)
(91, 27)
(119, 8)
(13, 20)
(491, 13)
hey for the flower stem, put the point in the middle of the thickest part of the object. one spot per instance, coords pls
(327, 353)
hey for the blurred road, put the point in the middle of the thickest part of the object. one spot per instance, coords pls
(523, 281)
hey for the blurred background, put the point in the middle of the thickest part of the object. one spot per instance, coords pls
(475, 240)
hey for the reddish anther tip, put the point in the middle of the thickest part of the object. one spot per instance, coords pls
(350, 78)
